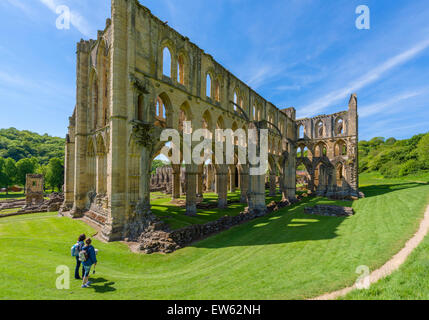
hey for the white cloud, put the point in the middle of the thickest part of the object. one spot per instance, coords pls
(388, 104)
(370, 77)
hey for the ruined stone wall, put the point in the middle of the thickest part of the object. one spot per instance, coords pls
(328, 147)
(124, 100)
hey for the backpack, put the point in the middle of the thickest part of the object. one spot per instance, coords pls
(83, 255)
(76, 249)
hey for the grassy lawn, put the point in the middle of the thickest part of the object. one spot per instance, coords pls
(285, 255)
(12, 195)
(410, 281)
(175, 216)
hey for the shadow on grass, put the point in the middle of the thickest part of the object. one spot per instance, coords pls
(292, 225)
(283, 226)
(379, 189)
(105, 287)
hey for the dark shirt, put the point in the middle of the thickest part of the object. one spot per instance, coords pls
(92, 258)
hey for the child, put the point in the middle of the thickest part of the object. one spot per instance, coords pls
(89, 259)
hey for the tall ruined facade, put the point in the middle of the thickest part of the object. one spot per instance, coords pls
(126, 96)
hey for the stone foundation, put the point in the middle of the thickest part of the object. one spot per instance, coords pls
(158, 237)
(329, 211)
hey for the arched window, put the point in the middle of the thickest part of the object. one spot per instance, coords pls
(140, 115)
(208, 86)
(339, 126)
(160, 109)
(301, 132)
(235, 101)
(319, 130)
(181, 70)
(340, 149)
(166, 62)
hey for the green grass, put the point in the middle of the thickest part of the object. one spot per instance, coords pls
(175, 216)
(410, 281)
(285, 255)
(12, 195)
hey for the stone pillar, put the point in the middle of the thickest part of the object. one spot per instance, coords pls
(200, 184)
(232, 179)
(244, 183)
(191, 186)
(69, 171)
(144, 183)
(273, 185)
(222, 185)
(176, 181)
(256, 193)
(82, 107)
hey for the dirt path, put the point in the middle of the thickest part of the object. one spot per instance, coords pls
(391, 265)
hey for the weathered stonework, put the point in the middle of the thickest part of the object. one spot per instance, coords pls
(125, 98)
(330, 211)
(34, 193)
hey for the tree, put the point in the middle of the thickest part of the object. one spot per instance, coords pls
(10, 172)
(55, 173)
(423, 149)
(43, 170)
(24, 167)
(3, 177)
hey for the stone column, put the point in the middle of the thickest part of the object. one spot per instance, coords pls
(191, 186)
(256, 193)
(144, 183)
(222, 185)
(82, 107)
(232, 179)
(176, 181)
(273, 185)
(200, 183)
(244, 183)
(69, 171)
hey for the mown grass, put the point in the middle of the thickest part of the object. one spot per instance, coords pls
(175, 216)
(410, 281)
(285, 255)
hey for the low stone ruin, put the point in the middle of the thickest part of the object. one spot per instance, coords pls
(161, 180)
(49, 205)
(330, 211)
(12, 204)
(159, 238)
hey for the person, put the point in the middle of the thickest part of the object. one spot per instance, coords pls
(91, 259)
(80, 244)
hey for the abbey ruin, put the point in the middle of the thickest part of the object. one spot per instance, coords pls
(126, 96)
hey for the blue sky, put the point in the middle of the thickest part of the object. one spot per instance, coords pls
(302, 53)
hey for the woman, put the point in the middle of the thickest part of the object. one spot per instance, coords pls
(80, 244)
(91, 259)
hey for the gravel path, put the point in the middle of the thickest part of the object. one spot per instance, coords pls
(391, 265)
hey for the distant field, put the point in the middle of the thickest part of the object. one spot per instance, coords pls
(285, 255)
